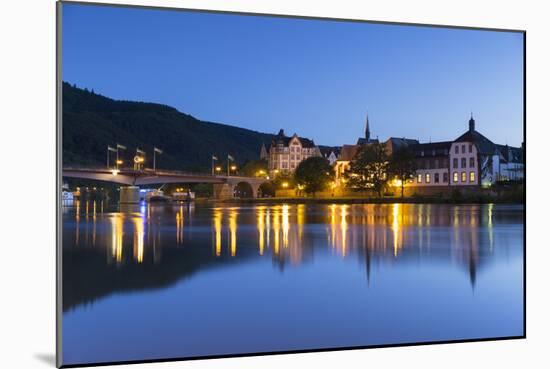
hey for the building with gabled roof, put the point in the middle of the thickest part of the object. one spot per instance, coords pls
(286, 152)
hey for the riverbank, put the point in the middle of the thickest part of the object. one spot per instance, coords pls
(370, 200)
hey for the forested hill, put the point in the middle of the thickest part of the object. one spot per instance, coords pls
(91, 122)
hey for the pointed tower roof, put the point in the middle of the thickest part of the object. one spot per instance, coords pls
(367, 129)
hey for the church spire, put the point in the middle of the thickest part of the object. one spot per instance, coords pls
(367, 129)
(472, 123)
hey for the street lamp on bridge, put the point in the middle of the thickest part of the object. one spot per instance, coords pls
(119, 147)
(109, 149)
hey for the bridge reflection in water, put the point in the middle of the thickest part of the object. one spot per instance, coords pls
(286, 233)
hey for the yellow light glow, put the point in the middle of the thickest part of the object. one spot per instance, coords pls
(218, 231)
(138, 239)
(116, 238)
(286, 225)
(115, 172)
(218, 169)
(233, 167)
(233, 231)
(285, 184)
(261, 230)
(119, 161)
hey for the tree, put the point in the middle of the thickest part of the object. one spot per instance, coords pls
(284, 181)
(314, 174)
(254, 168)
(368, 168)
(402, 166)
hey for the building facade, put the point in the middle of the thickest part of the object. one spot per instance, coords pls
(469, 160)
(285, 153)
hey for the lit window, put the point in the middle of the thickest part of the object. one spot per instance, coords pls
(427, 177)
(472, 162)
(419, 179)
(455, 177)
(463, 176)
(472, 176)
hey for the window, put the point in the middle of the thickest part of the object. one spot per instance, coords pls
(433, 152)
(436, 166)
(463, 176)
(422, 153)
(456, 149)
(419, 178)
(463, 149)
(455, 177)
(455, 162)
(427, 177)
(470, 148)
(472, 162)
(445, 177)
(472, 176)
(436, 178)
(463, 163)
(291, 157)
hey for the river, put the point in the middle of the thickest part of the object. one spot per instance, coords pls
(183, 280)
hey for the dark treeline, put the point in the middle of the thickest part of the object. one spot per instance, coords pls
(91, 122)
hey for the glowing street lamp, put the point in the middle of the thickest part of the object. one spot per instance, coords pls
(119, 147)
(218, 169)
(109, 149)
(285, 184)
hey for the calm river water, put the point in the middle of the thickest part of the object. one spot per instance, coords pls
(166, 281)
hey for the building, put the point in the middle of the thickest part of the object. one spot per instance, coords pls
(366, 139)
(470, 160)
(432, 163)
(330, 153)
(285, 153)
(347, 152)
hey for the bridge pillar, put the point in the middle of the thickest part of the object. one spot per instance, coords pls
(129, 195)
(223, 191)
(255, 189)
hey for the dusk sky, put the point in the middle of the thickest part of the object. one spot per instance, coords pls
(316, 78)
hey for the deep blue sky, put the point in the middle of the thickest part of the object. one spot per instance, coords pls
(315, 78)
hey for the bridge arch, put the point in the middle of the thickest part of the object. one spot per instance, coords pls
(244, 190)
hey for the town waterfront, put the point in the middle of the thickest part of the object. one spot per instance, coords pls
(183, 280)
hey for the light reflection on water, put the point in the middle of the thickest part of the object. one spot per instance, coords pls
(115, 255)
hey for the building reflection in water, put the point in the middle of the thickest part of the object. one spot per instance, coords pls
(288, 232)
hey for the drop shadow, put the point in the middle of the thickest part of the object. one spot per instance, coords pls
(46, 358)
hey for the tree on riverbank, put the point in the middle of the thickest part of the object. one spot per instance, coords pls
(402, 166)
(313, 174)
(368, 169)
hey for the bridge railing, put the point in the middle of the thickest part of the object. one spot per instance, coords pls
(150, 171)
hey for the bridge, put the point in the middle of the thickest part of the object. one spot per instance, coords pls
(224, 186)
